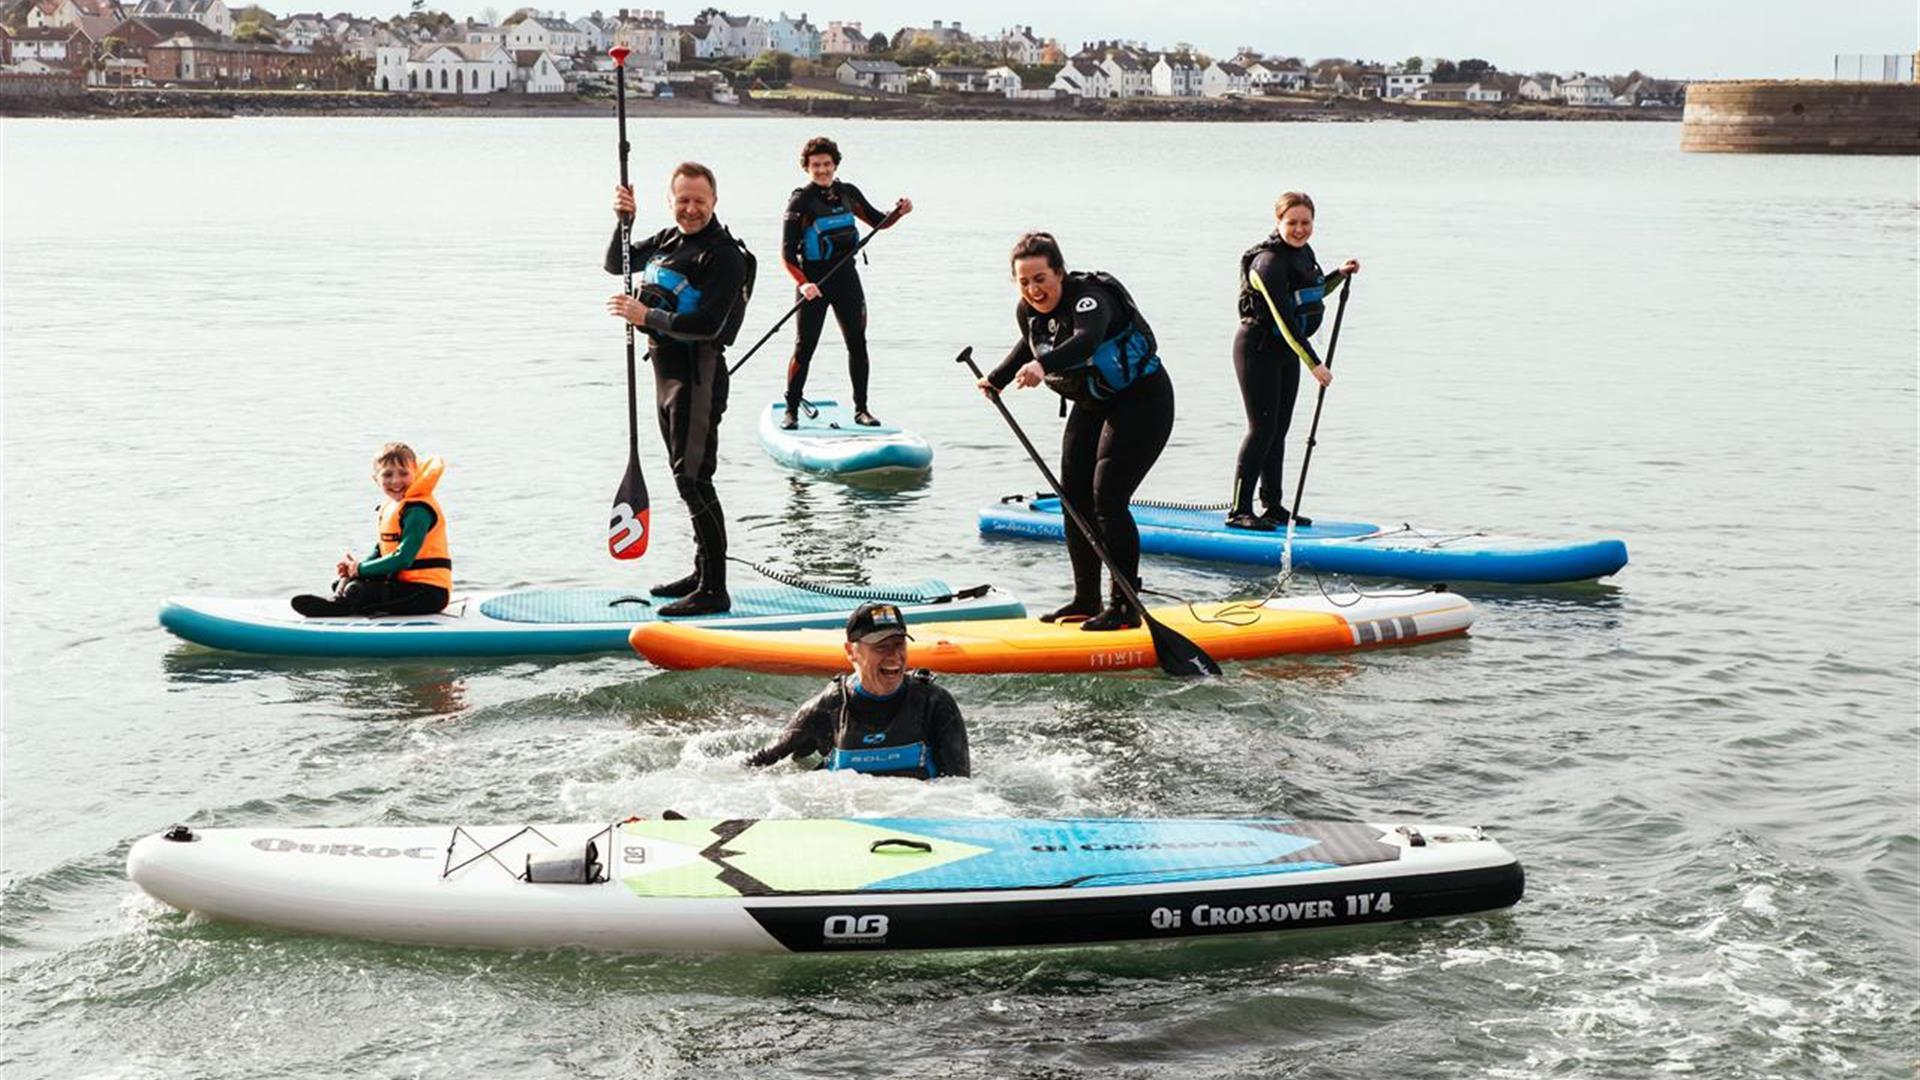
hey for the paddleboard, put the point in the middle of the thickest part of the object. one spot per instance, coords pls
(828, 885)
(829, 442)
(1236, 630)
(1343, 547)
(551, 622)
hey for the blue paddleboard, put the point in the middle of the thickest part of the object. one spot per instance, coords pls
(1341, 547)
(829, 442)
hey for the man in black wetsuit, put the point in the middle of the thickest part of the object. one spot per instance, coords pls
(1082, 335)
(820, 235)
(689, 282)
(882, 719)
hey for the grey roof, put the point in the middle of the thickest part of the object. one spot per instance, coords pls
(875, 67)
(1230, 68)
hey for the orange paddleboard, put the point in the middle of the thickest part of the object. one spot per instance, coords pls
(1235, 630)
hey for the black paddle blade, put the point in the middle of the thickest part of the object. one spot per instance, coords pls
(632, 520)
(1178, 656)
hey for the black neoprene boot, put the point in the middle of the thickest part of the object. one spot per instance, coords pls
(1247, 519)
(1278, 516)
(679, 586)
(710, 598)
(1075, 610)
(864, 418)
(1119, 614)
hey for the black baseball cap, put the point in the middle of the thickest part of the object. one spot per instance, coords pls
(873, 623)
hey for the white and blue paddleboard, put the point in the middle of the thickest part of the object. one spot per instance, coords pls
(548, 622)
(1341, 547)
(829, 442)
(826, 885)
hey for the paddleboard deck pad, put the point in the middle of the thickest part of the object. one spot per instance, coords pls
(1234, 630)
(547, 622)
(829, 442)
(826, 885)
(1341, 547)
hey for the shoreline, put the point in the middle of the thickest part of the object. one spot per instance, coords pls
(106, 103)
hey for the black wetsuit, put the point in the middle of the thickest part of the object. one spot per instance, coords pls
(1111, 441)
(1268, 362)
(809, 258)
(685, 344)
(916, 732)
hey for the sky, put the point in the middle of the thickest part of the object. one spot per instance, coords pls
(1707, 39)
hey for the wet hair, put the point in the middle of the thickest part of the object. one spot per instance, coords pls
(1291, 199)
(1039, 243)
(395, 453)
(694, 168)
(820, 144)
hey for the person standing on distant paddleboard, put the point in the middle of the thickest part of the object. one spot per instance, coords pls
(820, 235)
(882, 720)
(1282, 299)
(692, 298)
(1082, 335)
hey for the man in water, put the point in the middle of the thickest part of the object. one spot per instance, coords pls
(882, 719)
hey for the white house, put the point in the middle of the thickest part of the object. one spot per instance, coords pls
(487, 35)
(57, 45)
(57, 13)
(1407, 84)
(1485, 92)
(535, 72)
(843, 38)
(302, 30)
(1082, 77)
(795, 37)
(1587, 90)
(443, 67)
(1535, 90)
(1270, 75)
(1176, 76)
(963, 80)
(1224, 77)
(594, 36)
(1022, 46)
(212, 14)
(743, 36)
(882, 75)
(545, 33)
(1128, 74)
(653, 41)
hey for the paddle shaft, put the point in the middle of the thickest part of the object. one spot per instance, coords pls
(626, 267)
(831, 270)
(1333, 342)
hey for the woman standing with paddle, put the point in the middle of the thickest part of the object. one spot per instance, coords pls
(1082, 335)
(1282, 300)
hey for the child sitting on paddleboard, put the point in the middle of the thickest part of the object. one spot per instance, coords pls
(409, 571)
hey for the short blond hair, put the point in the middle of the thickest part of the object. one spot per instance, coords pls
(395, 453)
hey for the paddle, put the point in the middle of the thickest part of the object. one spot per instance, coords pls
(1177, 655)
(1333, 342)
(629, 529)
(831, 270)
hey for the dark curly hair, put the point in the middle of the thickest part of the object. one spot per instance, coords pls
(820, 144)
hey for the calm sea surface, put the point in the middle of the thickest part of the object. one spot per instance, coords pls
(1707, 764)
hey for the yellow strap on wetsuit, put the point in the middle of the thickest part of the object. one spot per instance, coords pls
(1286, 331)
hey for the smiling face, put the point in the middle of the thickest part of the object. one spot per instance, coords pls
(821, 168)
(881, 665)
(1296, 226)
(1039, 282)
(394, 478)
(691, 198)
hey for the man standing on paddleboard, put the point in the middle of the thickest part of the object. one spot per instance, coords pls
(882, 719)
(692, 298)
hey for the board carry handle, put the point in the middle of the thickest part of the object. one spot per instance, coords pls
(895, 844)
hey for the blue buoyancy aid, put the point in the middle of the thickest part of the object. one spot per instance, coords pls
(900, 748)
(829, 236)
(662, 286)
(1124, 358)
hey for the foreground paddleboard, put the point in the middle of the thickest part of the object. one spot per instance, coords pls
(549, 622)
(1341, 547)
(848, 885)
(832, 444)
(1237, 630)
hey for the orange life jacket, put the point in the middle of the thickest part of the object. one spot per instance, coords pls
(433, 565)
